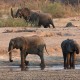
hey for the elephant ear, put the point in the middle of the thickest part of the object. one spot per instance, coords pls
(12, 42)
(26, 11)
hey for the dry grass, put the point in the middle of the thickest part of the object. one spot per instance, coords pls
(57, 10)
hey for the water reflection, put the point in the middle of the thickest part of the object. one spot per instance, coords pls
(17, 68)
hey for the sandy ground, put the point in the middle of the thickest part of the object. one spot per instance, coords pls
(54, 60)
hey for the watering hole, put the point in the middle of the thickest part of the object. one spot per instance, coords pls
(52, 63)
(17, 68)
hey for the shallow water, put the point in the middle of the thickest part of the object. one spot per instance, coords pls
(17, 68)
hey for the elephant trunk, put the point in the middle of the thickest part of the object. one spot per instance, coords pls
(10, 53)
(12, 13)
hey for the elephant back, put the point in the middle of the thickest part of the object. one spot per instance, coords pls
(69, 46)
(34, 41)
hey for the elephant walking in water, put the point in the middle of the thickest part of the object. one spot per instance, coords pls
(28, 45)
(69, 48)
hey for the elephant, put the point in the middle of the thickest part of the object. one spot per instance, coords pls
(21, 13)
(69, 49)
(28, 45)
(42, 19)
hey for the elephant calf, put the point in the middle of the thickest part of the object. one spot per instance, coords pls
(42, 19)
(28, 45)
(69, 48)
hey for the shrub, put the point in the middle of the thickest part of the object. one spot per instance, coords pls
(55, 9)
(13, 22)
(59, 10)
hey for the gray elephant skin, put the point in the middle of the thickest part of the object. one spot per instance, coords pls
(28, 45)
(42, 19)
(69, 48)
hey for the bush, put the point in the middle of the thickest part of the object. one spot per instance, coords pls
(59, 10)
(55, 9)
(10, 22)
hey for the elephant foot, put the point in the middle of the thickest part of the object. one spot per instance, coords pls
(26, 63)
(42, 66)
(21, 65)
(68, 67)
(11, 60)
(65, 68)
(23, 69)
(72, 67)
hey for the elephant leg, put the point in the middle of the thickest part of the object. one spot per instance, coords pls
(51, 22)
(32, 23)
(39, 24)
(46, 26)
(64, 56)
(37, 21)
(53, 25)
(73, 61)
(26, 62)
(42, 64)
(22, 61)
(68, 60)
(10, 57)
(49, 26)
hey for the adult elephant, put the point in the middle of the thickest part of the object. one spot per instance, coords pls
(69, 48)
(23, 12)
(32, 16)
(28, 45)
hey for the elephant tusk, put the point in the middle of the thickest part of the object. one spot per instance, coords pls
(10, 51)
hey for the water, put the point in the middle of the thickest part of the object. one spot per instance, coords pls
(17, 68)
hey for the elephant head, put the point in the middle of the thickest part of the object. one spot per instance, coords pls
(23, 12)
(10, 48)
(15, 43)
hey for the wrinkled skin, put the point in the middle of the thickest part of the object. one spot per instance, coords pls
(69, 48)
(39, 18)
(28, 45)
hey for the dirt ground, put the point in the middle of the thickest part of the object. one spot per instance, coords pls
(54, 60)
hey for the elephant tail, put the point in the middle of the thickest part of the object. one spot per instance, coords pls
(46, 49)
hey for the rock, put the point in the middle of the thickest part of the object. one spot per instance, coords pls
(69, 24)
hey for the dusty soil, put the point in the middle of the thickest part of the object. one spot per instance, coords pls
(53, 60)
